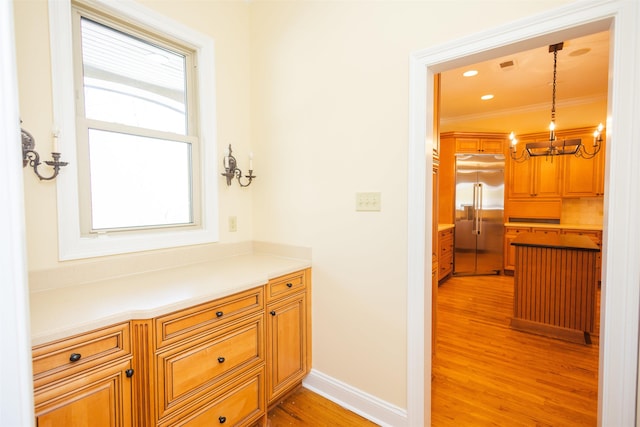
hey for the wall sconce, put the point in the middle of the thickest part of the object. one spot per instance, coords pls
(231, 170)
(31, 157)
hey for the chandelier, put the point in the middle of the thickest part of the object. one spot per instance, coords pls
(555, 147)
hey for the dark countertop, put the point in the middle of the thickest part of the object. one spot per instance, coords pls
(561, 241)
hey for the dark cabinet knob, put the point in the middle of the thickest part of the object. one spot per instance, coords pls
(272, 312)
(220, 359)
(129, 373)
(75, 357)
(222, 419)
(219, 314)
(289, 285)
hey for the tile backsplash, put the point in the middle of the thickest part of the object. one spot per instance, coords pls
(587, 211)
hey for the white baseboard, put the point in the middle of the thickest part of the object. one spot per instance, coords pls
(363, 404)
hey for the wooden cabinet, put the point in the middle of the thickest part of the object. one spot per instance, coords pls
(201, 350)
(584, 177)
(596, 237)
(214, 363)
(535, 177)
(288, 333)
(509, 253)
(475, 143)
(85, 380)
(480, 145)
(511, 232)
(445, 253)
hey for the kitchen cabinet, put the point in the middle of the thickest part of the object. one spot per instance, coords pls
(596, 237)
(201, 349)
(480, 145)
(85, 380)
(510, 233)
(475, 143)
(219, 362)
(584, 177)
(539, 177)
(288, 333)
(445, 253)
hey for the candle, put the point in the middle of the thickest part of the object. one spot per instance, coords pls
(251, 160)
(55, 141)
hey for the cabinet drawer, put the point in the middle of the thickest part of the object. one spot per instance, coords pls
(286, 285)
(196, 367)
(186, 323)
(60, 359)
(242, 403)
(547, 231)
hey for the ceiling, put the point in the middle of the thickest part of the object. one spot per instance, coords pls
(523, 92)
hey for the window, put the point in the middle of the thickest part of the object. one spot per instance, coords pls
(141, 159)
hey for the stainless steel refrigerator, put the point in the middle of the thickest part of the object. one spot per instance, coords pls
(479, 214)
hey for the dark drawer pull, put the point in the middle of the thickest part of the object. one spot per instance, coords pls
(75, 357)
(289, 285)
(272, 312)
(219, 314)
(222, 419)
(220, 359)
(129, 373)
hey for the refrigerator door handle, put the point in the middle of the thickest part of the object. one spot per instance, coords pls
(479, 211)
(476, 189)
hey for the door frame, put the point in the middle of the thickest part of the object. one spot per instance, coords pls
(16, 392)
(617, 394)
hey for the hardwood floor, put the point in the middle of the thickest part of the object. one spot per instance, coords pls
(485, 373)
(305, 408)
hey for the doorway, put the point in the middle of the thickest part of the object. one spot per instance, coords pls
(618, 354)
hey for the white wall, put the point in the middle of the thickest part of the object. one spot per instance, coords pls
(226, 22)
(330, 116)
(319, 91)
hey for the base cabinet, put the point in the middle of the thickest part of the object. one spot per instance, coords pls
(288, 334)
(218, 363)
(85, 381)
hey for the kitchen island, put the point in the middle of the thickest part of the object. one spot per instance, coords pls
(555, 286)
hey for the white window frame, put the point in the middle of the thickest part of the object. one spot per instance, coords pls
(71, 243)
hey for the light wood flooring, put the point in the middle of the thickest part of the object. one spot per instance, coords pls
(305, 408)
(484, 373)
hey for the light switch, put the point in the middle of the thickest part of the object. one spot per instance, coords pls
(368, 201)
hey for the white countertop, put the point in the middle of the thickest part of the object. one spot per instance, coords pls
(585, 227)
(63, 312)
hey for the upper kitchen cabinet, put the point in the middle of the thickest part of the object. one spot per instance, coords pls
(478, 143)
(584, 177)
(536, 176)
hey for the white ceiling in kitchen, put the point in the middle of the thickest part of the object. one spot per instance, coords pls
(523, 91)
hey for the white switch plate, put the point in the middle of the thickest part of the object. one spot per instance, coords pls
(233, 223)
(368, 202)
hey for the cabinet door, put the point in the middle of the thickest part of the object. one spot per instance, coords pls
(492, 146)
(584, 177)
(535, 177)
(548, 176)
(286, 344)
(99, 398)
(511, 233)
(520, 179)
(467, 145)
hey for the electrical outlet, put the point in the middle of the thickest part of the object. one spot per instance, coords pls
(233, 224)
(368, 202)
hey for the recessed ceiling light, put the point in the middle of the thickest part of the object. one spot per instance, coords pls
(580, 52)
(470, 73)
(486, 97)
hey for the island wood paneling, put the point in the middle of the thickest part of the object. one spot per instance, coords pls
(554, 290)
